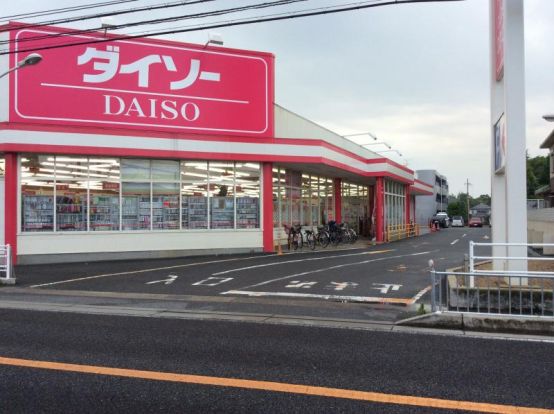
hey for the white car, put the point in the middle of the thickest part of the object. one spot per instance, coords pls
(457, 221)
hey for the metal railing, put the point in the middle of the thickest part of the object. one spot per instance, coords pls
(401, 231)
(473, 257)
(499, 293)
(5, 261)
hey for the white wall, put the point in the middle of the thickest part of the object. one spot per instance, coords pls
(78, 242)
(291, 125)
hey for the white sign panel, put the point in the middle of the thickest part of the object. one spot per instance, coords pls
(500, 145)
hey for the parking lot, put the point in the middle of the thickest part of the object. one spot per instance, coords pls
(395, 273)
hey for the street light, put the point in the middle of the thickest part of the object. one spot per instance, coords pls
(389, 150)
(360, 134)
(548, 117)
(214, 39)
(378, 143)
(32, 59)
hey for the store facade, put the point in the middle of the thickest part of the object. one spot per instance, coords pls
(150, 148)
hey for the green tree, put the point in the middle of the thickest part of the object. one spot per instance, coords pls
(484, 199)
(538, 174)
(459, 206)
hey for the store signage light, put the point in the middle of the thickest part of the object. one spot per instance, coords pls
(142, 84)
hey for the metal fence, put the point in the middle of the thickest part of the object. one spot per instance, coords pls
(401, 231)
(473, 257)
(500, 292)
(6, 270)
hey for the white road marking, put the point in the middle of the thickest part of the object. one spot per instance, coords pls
(306, 295)
(299, 261)
(464, 235)
(267, 282)
(168, 281)
(149, 270)
(213, 281)
(455, 241)
(420, 294)
(385, 287)
(297, 284)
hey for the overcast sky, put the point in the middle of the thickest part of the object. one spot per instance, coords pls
(414, 75)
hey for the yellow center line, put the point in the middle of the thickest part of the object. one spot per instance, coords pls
(278, 387)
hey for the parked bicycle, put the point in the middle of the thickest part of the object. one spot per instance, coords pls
(322, 236)
(295, 239)
(310, 239)
(341, 233)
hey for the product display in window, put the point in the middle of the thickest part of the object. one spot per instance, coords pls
(222, 213)
(104, 213)
(195, 212)
(165, 212)
(37, 213)
(247, 213)
(71, 213)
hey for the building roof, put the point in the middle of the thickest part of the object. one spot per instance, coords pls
(480, 206)
(549, 141)
(545, 189)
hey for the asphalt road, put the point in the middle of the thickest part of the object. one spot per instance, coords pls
(388, 273)
(221, 355)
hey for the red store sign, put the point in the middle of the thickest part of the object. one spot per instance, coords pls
(141, 84)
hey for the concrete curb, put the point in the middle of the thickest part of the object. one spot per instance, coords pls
(483, 323)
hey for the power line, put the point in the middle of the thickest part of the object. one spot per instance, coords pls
(309, 13)
(64, 10)
(106, 14)
(160, 20)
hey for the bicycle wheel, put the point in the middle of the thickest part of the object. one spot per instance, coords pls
(290, 240)
(310, 240)
(345, 237)
(334, 238)
(323, 238)
(353, 236)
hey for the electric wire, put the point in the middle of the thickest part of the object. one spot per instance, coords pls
(64, 10)
(160, 20)
(107, 14)
(269, 18)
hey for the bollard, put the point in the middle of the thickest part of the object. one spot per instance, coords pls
(433, 289)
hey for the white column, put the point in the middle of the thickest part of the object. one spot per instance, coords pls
(509, 209)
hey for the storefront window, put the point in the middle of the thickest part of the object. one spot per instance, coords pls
(165, 170)
(71, 206)
(67, 193)
(355, 205)
(132, 169)
(306, 219)
(394, 203)
(37, 194)
(165, 206)
(247, 190)
(314, 201)
(221, 190)
(293, 181)
(276, 179)
(194, 195)
(71, 175)
(104, 177)
(2, 166)
(136, 206)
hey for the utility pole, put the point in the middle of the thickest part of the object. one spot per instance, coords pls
(467, 198)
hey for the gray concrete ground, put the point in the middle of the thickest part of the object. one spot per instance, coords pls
(383, 283)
